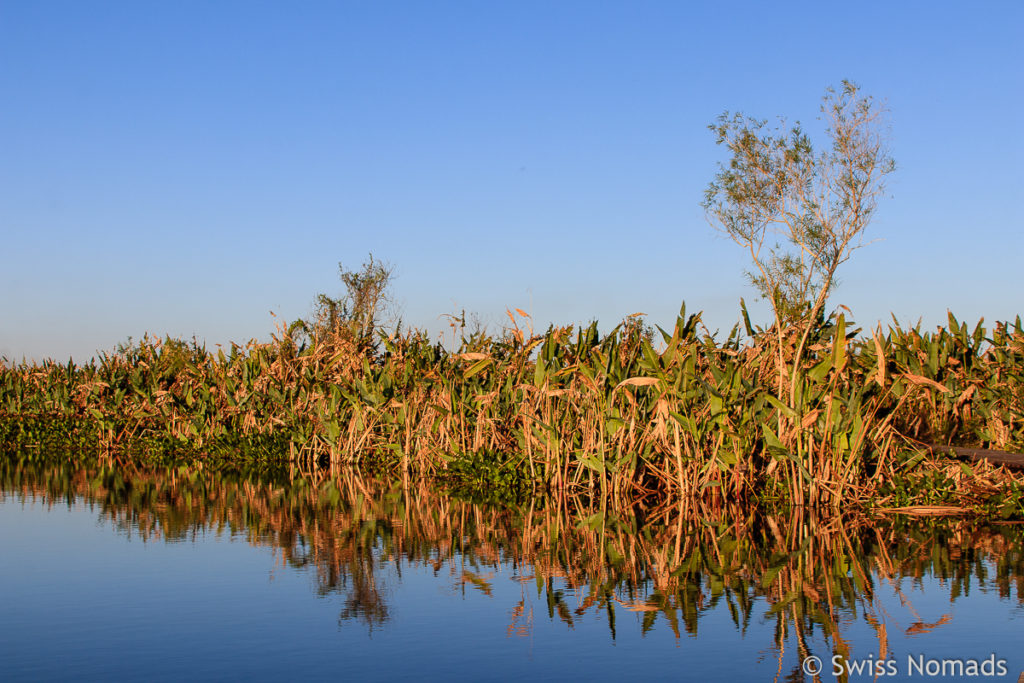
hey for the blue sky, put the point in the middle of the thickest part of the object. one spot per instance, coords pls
(187, 167)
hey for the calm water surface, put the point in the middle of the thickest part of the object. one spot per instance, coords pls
(111, 571)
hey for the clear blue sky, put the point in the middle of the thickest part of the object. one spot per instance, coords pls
(187, 167)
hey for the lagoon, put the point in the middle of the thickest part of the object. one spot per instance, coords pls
(120, 571)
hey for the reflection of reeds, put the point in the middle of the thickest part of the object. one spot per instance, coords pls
(807, 574)
(619, 415)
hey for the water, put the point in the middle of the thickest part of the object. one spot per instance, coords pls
(115, 572)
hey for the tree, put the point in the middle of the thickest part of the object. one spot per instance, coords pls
(357, 312)
(800, 214)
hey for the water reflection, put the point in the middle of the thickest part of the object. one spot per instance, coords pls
(796, 581)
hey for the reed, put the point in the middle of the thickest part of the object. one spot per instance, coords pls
(676, 415)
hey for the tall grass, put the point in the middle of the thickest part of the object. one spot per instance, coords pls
(632, 413)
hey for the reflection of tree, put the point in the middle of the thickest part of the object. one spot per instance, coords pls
(364, 601)
(811, 578)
